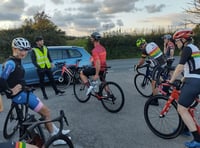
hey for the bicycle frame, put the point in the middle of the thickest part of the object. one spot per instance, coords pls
(174, 97)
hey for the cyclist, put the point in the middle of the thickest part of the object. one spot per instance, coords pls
(169, 48)
(98, 60)
(152, 51)
(189, 63)
(12, 78)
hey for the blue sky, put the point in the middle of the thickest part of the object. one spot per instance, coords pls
(81, 17)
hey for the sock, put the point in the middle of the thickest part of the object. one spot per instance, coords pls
(55, 129)
(196, 136)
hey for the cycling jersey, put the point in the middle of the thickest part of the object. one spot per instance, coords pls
(13, 72)
(99, 53)
(153, 51)
(190, 58)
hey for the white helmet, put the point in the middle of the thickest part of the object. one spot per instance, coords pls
(21, 43)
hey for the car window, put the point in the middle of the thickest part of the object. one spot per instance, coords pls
(74, 53)
(58, 54)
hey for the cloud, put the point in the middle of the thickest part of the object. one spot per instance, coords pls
(84, 1)
(11, 9)
(34, 9)
(57, 2)
(117, 6)
(154, 8)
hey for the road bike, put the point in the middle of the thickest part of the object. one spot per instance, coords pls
(109, 93)
(33, 138)
(17, 114)
(64, 73)
(164, 120)
(23, 126)
(143, 78)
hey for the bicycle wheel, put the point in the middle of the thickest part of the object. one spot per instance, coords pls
(62, 81)
(11, 124)
(80, 90)
(50, 143)
(168, 126)
(112, 97)
(143, 85)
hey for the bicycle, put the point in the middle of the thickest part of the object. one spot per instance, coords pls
(64, 74)
(33, 138)
(143, 79)
(17, 114)
(19, 119)
(164, 120)
(109, 93)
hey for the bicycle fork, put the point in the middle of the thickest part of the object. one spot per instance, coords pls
(174, 96)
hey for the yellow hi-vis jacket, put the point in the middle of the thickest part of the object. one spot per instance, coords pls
(42, 58)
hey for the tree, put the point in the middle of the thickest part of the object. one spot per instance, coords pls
(194, 10)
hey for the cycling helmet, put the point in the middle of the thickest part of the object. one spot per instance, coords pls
(167, 36)
(96, 35)
(140, 41)
(21, 43)
(183, 33)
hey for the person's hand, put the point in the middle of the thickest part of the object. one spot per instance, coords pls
(52, 65)
(15, 90)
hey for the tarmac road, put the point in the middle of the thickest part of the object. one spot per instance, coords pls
(94, 127)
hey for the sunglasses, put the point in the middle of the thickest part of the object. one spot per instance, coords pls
(177, 40)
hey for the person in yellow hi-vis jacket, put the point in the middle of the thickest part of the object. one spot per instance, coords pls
(43, 62)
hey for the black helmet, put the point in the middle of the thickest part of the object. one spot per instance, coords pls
(96, 36)
(38, 38)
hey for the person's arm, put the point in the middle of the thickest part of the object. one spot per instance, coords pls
(186, 53)
(141, 62)
(97, 67)
(33, 58)
(177, 72)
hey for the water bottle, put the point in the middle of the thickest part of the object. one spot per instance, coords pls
(95, 85)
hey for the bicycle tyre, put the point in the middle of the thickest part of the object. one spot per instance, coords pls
(69, 144)
(11, 118)
(112, 99)
(62, 81)
(80, 90)
(143, 85)
(167, 127)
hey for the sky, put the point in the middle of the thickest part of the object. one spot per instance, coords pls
(81, 17)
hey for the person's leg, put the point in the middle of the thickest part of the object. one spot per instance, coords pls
(52, 81)
(36, 104)
(187, 97)
(41, 75)
(86, 73)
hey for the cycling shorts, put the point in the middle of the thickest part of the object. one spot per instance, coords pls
(34, 102)
(189, 91)
(13, 145)
(90, 71)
